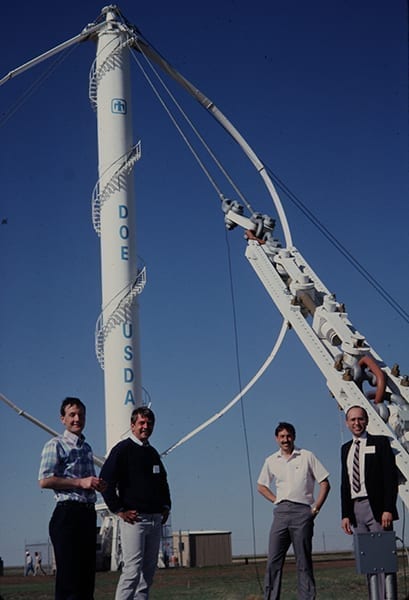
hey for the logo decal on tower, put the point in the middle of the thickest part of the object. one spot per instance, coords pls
(119, 106)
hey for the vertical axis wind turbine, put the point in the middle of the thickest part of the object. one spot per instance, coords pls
(113, 212)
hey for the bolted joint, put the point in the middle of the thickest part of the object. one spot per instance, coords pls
(234, 206)
(405, 381)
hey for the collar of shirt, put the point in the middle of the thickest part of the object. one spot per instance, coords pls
(137, 441)
(361, 438)
(75, 441)
(294, 453)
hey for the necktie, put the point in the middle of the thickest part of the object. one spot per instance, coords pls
(356, 474)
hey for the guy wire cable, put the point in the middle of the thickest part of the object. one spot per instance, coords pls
(243, 417)
(35, 85)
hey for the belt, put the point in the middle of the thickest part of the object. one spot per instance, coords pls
(76, 504)
(361, 499)
(292, 502)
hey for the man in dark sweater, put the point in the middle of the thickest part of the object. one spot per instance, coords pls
(138, 492)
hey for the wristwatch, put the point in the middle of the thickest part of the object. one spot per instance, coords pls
(315, 510)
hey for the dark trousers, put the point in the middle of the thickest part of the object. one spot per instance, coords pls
(73, 532)
(293, 524)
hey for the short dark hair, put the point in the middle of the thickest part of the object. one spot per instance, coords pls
(69, 401)
(357, 406)
(143, 411)
(283, 425)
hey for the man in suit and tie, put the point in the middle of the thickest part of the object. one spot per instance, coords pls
(369, 478)
(369, 483)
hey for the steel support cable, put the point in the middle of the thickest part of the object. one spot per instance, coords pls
(178, 127)
(234, 401)
(243, 416)
(35, 85)
(148, 50)
(394, 304)
(195, 130)
(224, 122)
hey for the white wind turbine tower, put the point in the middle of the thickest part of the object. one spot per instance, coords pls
(113, 211)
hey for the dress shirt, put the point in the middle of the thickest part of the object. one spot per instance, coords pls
(294, 477)
(350, 459)
(69, 456)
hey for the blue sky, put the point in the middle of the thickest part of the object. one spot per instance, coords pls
(320, 90)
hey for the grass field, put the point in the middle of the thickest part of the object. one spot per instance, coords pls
(336, 580)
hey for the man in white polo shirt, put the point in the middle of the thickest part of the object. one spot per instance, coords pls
(294, 472)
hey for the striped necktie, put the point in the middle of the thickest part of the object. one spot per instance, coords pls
(356, 473)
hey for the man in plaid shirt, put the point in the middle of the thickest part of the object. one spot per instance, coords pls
(67, 467)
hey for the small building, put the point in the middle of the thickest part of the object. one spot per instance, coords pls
(202, 548)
